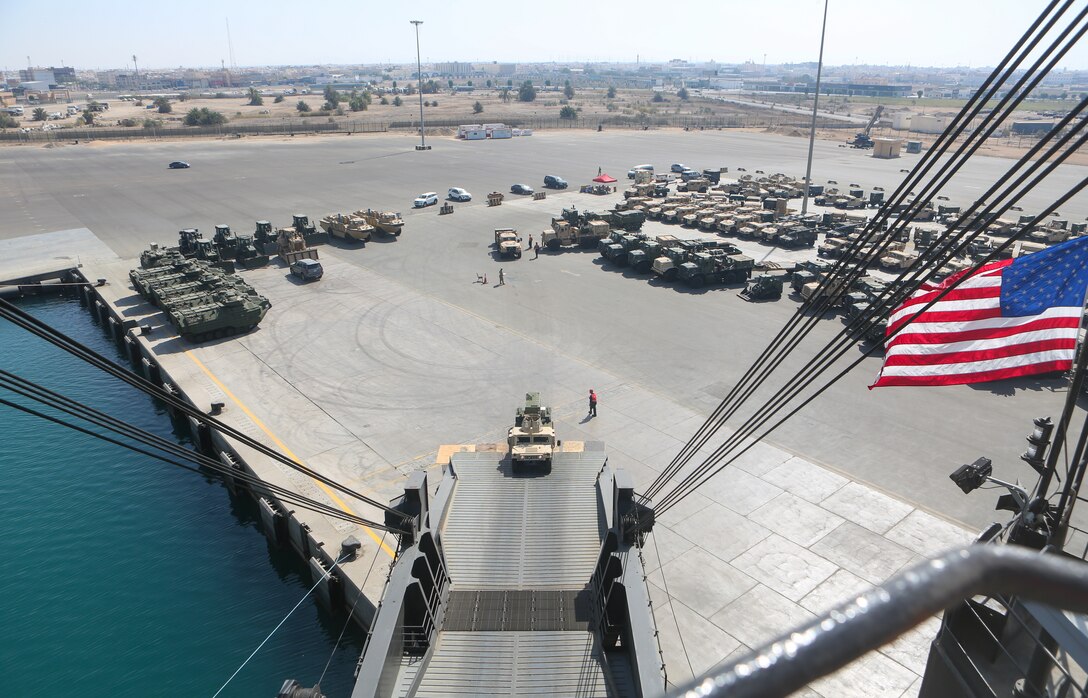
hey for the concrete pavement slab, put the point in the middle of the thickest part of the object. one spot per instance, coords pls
(785, 567)
(866, 507)
(795, 519)
(760, 616)
(702, 582)
(927, 534)
(859, 550)
(720, 531)
(805, 479)
(871, 676)
(835, 590)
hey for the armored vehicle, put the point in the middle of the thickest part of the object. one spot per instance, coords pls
(388, 223)
(532, 438)
(563, 233)
(898, 260)
(157, 255)
(767, 286)
(507, 244)
(797, 236)
(231, 313)
(347, 227)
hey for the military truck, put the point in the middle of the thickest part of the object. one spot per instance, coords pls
(898, 260)
(835, 290)
(641, 259)
(667, 266)
(706, 268)
(797, 236)
(388, 223)
(616, 247)
(347, 227)
(532, 438)
(565, 233)
(507, 243)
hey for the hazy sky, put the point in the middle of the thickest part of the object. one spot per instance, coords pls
(194, 33)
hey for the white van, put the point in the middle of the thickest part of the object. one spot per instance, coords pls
(645, 168)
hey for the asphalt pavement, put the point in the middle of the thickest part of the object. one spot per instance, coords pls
(690, 347)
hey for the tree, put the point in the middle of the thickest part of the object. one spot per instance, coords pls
(568, 90)
(394, 84)
(6, 121)
(255, 99)
(164, 105)
(450, 83)
(568, 112)
(88, 117)
(682, 93)
(397, 101)
(547, 83)
(489, 84)
(658, 97)
(383, 101)
(430, 87)
(920, 92)
(611, 92)
(410, 90)
(204, 117)
(357, 103)
(477, 108)
(526, 93)
(427, 103)
(331, 95)
(302, 107)
(278, 99)
(505, 95)
(509, 82)
(183, 97)
(152, 123)
(39, 114)
(434, 102)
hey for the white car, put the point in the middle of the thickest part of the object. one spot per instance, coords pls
(459, 194)
(428, 199)
(631, 172)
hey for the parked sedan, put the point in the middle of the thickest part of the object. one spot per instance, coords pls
(428, 199)
(179, 165)
(521, 189)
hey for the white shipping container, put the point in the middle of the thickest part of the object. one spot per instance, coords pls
(475, 135)
(489, 127)
(501, 133)
(465, 128)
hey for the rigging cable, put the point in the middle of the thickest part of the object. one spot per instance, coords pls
(979, 99)
(710, 427)
(269, 637)
(23, 319)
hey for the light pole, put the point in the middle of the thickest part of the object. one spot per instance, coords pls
(815, 103)
(419, 74)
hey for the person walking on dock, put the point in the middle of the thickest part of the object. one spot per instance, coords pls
(502, 278)
(530, 245)
(536, 250)
(592, 403)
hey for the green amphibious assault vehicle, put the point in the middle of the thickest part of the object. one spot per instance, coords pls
(201, 300)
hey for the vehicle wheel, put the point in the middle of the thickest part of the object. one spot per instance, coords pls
(553, 245)
(219, 334)
(642, 267)
(669, 275)
(695, 282)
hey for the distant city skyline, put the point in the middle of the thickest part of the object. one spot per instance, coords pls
(922, 33)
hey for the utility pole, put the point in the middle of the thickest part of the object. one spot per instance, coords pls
(419, 74)
(137, 67)
(815, 104)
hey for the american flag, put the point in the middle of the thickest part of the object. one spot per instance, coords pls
(1005, 319)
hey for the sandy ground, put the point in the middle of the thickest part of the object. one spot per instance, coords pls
(459, 107)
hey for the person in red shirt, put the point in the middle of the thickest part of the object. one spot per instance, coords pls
(592, 403)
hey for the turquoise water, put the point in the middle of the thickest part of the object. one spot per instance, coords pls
(125, 576)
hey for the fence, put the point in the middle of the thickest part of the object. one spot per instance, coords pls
(305, 126)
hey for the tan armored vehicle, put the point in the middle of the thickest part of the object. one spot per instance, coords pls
(898, 260)
(507, 244)
(532, 438)
(347, 227)
(385, 222)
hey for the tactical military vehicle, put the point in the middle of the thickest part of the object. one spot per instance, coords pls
(291, 246)
(532, 438)
(642, 258)
(704, 268)
(229, 314)
(766, 286)
(617, 246)
(507, 244)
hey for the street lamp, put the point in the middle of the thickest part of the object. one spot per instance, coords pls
(419, 74)
(815, 104)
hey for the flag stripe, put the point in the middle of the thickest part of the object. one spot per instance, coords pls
(981, 377)
(983, 344)
(992, 364)
(932, 333)
(969, 356)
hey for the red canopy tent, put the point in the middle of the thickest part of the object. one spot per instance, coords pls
(605, 179)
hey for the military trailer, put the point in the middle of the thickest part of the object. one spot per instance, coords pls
(705, 268)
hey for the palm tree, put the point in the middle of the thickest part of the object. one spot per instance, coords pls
(39, 114)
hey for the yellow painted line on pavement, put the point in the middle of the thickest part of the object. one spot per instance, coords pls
(283, 447)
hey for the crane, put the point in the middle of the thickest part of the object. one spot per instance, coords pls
(862, 140)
